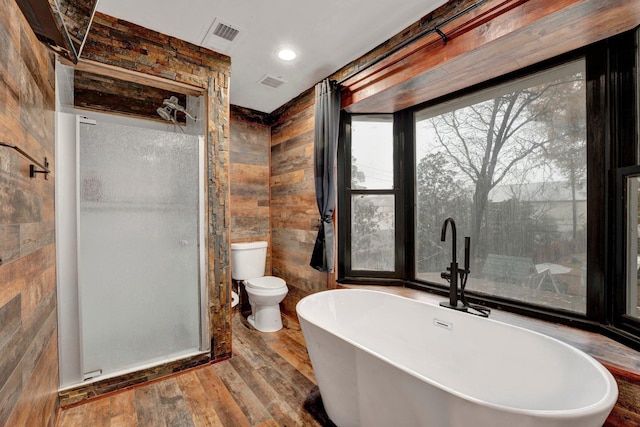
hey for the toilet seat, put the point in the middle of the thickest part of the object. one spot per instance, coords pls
(265, 283)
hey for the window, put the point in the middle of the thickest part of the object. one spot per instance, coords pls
(509, 165)
(541, 169)
(628, 265)
(372, 194)
(631, 188)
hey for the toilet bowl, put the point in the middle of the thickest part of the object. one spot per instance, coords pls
(265, 295)
(248, 260)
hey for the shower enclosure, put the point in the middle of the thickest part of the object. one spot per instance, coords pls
(139, 196)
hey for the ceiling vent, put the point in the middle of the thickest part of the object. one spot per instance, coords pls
(221, 36)
(271, 81)
(226, 32)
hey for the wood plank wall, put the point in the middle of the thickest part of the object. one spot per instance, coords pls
(127, 46)
(28, 322)
(294, 212)
(249, 176)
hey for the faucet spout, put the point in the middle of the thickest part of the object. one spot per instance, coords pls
(457, 301)
(443, 236)
(452, 275)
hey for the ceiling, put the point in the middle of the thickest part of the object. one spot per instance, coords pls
(326, 35)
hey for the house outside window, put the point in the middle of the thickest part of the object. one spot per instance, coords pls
(509, 165)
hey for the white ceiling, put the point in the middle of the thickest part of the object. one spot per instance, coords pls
(326, 35)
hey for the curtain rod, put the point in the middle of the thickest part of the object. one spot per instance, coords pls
(435, 29)
(32, 168)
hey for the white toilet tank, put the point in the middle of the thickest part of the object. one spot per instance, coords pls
(248, 260)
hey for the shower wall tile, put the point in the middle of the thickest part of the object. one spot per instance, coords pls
(126, 45)
(28, 322)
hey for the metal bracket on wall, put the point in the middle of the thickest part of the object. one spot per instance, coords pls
(32, 168)
(442, 35)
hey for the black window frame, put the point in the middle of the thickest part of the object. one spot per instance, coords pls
(622, 320)
(612, 104)
(344, 201)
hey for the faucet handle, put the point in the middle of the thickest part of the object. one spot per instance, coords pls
(446, 275)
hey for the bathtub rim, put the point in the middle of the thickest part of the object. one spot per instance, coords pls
(609, 398)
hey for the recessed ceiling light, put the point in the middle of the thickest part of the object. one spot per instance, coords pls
(286, 54)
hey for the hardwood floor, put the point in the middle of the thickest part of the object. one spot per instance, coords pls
(267, 382)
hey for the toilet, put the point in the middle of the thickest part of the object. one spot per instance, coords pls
(265, 293)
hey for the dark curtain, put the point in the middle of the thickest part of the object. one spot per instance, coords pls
(327, 121)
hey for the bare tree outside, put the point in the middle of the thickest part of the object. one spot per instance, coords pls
(439, 195)
(492, 140)
(509, 152)
(567, 132)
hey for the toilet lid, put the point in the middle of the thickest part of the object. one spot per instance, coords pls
(265, 282)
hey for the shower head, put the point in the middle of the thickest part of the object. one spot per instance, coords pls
(165, 113)
(173, 104)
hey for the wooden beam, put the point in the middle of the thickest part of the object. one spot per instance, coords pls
(94, 67)
(498, 37)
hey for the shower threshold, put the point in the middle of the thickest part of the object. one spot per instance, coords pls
(112, 382)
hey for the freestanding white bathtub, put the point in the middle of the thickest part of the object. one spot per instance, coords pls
(385, 360)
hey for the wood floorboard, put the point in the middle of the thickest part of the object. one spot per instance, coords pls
(74, 416)
(174, 410)
(222, 400)
(283, 412)
(294, 332)
(147, 403)
(270, 423)
(197, 401)
(268, 382)
(244, 395)
(275, 368)
(123, 409)
(100, 415)
(295, 354)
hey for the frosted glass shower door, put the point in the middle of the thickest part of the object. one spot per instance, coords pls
(139, 263)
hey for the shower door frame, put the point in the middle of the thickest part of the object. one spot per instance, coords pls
(204, 344)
